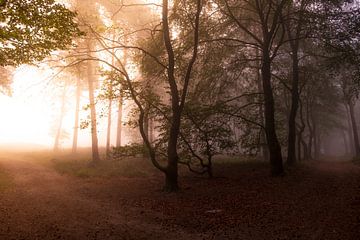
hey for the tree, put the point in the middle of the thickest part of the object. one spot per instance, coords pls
(31, 30)
(294, 25)
(261, 29)
(176, 76)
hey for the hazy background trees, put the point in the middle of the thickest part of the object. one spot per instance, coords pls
(191, 80)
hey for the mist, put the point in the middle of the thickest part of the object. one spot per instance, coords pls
(196, 119)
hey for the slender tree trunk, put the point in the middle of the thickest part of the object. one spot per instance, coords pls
(315, 136)
(301, 132)
(311, 132)
(291, 158)
(121, 102)
(119, 122)
(272, 140)
(349, 129)
(298, 144)
(108, 132)
(110, 101)
(77, 111)
(263, 145)
(346, 144)
(354, 129)
(59, 129)
(91, 81)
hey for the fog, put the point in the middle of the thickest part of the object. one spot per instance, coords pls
(187, 119)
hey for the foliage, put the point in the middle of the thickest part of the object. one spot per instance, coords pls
(5, 81)
(130, 150)
(30, 30)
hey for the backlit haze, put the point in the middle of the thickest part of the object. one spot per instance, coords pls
(33, 111)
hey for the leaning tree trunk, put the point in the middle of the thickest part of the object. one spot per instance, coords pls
(94, 138)
(354, 129)
(151, 130)
(272, 140)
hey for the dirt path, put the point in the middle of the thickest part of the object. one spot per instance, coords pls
(341, 203)
(46, 205)
(321, 201)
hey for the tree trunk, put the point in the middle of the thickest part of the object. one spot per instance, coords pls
(298, 144)
(62, 113)
(349, 129)
(354, 129)
(171, 172)
(94, 138)
(151, 130)
(291, 158)
(119, 123)
(77, 111)
(311, 132)
(316, 136)
(263, 145)
(272, 140)
(346, 144)
(301, 132)
(108, 132)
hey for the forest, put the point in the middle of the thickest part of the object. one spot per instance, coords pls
(183, 119)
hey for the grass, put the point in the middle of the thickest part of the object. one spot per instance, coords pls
(81, 167)
(5, 181)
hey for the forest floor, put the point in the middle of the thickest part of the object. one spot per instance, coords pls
(40, 199)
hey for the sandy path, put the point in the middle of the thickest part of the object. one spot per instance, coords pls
(46, 205)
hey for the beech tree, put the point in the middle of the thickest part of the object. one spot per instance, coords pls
(31, 30)
(259, 24)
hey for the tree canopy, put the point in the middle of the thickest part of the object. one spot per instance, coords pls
(30, 30)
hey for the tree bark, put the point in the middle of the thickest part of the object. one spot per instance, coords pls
(108, 132)
(354, 129)
(62, 113)
(94, 138)
(315, 136)
(346, 144)
(291, 157)
(263, 145)
(119, 122)
(311, 131)
(301, 132)
(272, 140)
(77, 111)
